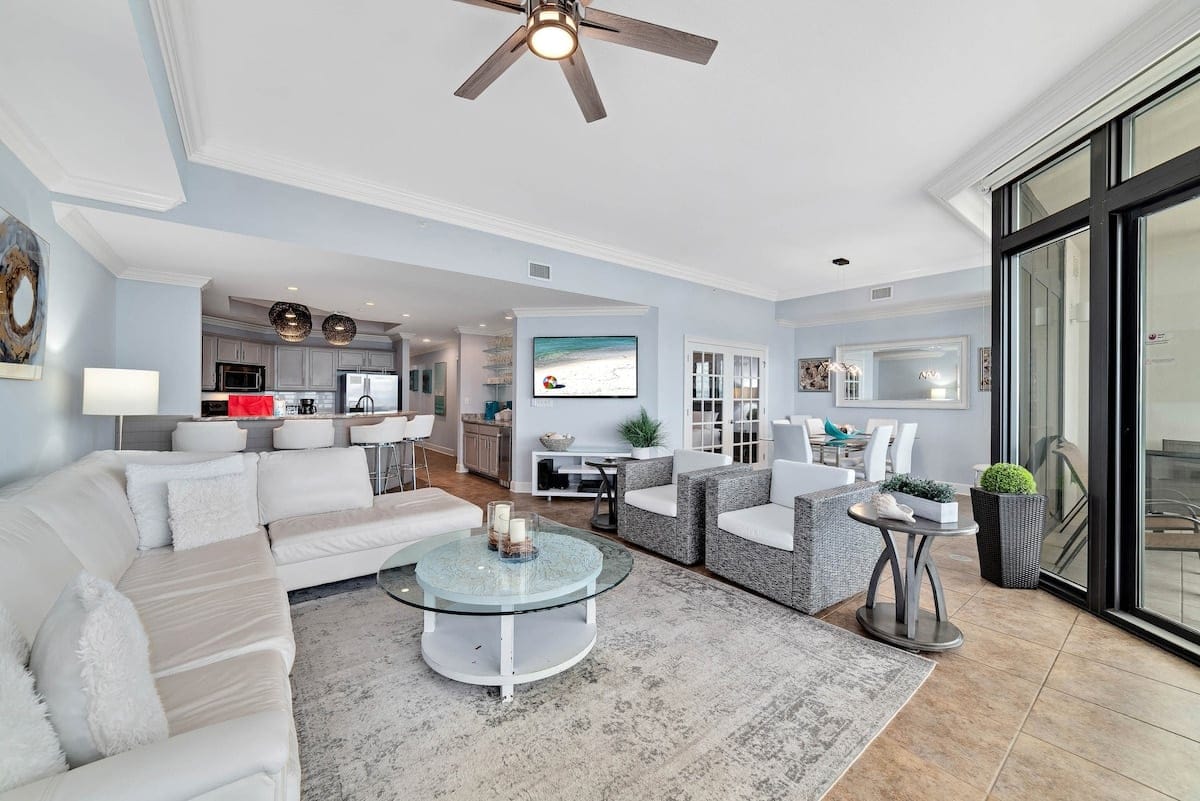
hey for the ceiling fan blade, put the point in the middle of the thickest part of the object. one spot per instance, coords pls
(630, 32)
(498, 5)
(579, 75)
(505, 56)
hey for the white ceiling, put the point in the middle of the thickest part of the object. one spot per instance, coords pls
(810, 135)
(425, 303)
(76, 104)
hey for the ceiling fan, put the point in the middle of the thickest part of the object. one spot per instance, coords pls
(551, 31)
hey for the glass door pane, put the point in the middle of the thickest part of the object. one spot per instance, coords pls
(1051, 393)
(1169, 583)
(706, 427)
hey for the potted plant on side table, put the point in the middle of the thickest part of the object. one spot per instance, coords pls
(1012, 525)
(644, 435)
(931, 500)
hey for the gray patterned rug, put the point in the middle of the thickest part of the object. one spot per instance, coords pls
(695, 691)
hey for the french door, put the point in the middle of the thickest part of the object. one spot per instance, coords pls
(725, 400)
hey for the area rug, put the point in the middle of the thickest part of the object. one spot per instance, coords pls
(695, 691)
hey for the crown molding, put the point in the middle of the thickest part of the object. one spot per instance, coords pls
(173, 29)
(973, 301)
(160, 277)
(581, 311)
(1141, 58)
(240, 325)
(42, 163)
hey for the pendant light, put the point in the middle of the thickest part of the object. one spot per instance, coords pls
(339, 330)
(844, 368)
(292, 321)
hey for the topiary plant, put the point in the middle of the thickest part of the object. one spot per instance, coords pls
(642, 431)
(1008, 479)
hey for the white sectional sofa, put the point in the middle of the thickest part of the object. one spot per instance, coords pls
(216, 617)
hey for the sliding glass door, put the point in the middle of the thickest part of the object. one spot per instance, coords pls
(1169, 548)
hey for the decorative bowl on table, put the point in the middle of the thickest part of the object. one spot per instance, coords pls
(557, 442)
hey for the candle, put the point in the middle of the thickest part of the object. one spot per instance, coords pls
(502, 517)
(516, 530)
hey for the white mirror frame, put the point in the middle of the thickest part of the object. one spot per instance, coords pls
(963, 401)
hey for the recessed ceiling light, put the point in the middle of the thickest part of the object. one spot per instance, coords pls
(370, 303)
(406, 315)
(483, 325)
(293, 289)
(426, 339)
(508, 317)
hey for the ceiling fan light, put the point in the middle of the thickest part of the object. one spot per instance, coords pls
(553, 33)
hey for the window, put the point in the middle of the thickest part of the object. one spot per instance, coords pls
(1168, 128)
(1059, 185)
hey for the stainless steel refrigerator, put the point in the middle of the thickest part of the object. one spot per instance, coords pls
(355, 388)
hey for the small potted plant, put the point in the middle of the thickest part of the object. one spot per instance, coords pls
(643, 433)
(1012, 525)
(932, 500)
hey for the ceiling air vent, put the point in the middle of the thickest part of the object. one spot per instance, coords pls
(881, 293)
(539, 271)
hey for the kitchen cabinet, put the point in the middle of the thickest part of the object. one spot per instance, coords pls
(252, 352)
(483, 450)
(208, 363)
(291, 368)
(351, 359)
(381, 360)
(322, 369)
(268, 362)
(229, 350)
(237, 351)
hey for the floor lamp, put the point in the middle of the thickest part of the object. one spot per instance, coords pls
(119, 392)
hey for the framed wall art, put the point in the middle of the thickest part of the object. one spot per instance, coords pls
(812, 374)
(985, 369)
(23, 300)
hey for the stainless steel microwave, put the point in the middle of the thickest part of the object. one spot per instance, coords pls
(241, 377)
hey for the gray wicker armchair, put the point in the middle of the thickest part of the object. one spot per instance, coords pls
(827, 558)
(668, 518)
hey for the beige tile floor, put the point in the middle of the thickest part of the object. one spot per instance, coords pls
(1042, 701)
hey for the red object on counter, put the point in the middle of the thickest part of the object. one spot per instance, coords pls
(251, 405)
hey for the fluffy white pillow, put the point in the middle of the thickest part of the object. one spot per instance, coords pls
(208, 510)
(29, 747)
(146, 486)
(91, 660)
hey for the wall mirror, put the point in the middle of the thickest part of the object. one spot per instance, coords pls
(915, 374)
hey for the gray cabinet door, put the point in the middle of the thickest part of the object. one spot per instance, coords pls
(229, 350)
(268, 361)
(351, 359)
(322, 369)
(291, 368)
(208, 362)
(471, 451)
(381, 360)
(252, 352)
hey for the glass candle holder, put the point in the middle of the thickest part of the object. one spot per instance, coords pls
(518, 545)
(499, 513)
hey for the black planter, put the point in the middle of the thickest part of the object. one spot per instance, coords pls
(1011, 530)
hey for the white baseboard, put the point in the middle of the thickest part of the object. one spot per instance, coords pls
(441, 449)
(960, 489)
(521, 487)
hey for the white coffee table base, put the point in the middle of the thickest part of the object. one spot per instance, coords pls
(506, 650)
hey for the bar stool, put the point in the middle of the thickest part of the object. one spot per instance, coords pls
(415, 434)
(384, 434)
(298, 435)
(218, 436)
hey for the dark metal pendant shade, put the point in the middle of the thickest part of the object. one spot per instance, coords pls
(292, 321)
(339, 330)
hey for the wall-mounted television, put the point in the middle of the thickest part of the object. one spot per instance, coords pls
(585, 367)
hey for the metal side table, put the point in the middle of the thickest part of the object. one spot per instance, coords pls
(606, 520)
(904, 623)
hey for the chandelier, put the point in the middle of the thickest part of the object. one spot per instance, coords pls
(339, 330)
(292, 321)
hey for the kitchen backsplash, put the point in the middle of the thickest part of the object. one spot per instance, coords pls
(326, 401)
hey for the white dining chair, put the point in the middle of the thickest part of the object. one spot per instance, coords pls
(872, 465)
(875, 422)
(792, 444)
(900, 458)
(815, 425)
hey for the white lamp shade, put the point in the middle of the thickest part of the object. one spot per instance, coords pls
(119, 392)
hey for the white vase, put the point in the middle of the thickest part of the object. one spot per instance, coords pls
(930, 510)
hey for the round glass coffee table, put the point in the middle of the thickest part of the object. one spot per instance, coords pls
(500, 623)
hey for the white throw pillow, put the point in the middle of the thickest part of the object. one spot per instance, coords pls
(208, 510)
(29, 747)
(91, 660)
(146, 486)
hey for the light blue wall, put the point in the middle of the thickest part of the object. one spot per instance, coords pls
(43, 426)
(592, 421)
(949, 441)
(445, 429)
(158, 328)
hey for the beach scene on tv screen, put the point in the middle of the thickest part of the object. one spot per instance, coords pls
(585, 367)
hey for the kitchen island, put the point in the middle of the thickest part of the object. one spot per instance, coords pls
(154, 433)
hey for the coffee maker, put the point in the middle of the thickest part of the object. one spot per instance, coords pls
(308, 406)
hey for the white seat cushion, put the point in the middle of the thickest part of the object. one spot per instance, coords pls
(164, 572)
(789, 479)
(771, 524)
(231, 688)
(189, 631)
(663, 500)
(688, 461)
(393, 519)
